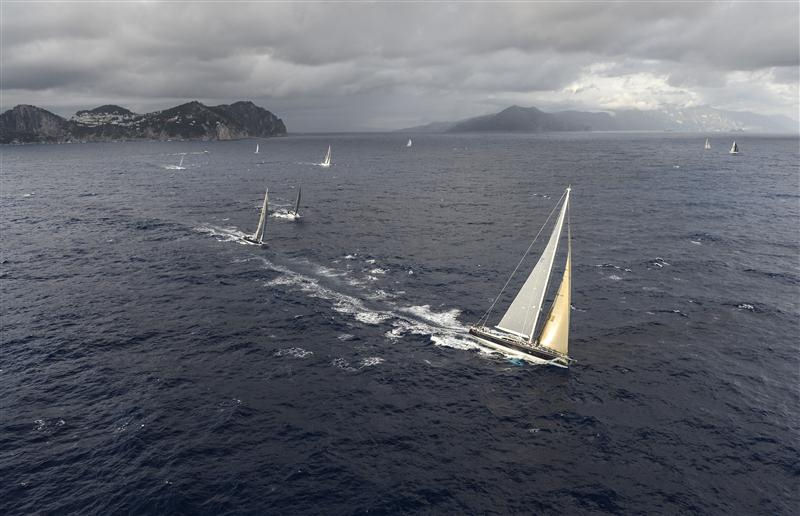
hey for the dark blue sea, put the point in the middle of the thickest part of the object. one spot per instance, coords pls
(150, 363)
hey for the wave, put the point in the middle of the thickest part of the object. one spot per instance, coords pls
(293, 353)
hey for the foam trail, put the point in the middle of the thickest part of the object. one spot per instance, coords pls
(225, 234)
(443, 328)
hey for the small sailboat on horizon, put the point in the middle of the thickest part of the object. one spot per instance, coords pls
(734, 148)
(256, 152)
(515, 333)
(707, 146)
(179, 166)
(409, 143)
(258, 236)
(327, 161)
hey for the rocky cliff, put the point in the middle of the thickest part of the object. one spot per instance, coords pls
(190, 121)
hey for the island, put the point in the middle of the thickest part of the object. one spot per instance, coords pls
(190, 121)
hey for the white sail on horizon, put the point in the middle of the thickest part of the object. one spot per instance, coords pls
(409, 143)
(707, 145)
(523, 313)
(256, 149)
(734, 148)
(327, 161)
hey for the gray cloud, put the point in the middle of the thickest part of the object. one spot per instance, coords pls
(359, 66)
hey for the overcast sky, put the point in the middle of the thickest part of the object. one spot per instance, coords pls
(372, 66)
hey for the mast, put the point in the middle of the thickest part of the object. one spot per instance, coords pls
(555, 333)
(181, 163)
(523, 314)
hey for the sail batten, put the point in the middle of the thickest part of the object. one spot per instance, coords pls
(523, 314)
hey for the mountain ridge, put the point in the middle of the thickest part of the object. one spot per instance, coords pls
(696, 119)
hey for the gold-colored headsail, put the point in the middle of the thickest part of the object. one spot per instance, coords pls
(555, 334)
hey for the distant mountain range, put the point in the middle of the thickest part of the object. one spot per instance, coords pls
(696, 119)
(190, 121)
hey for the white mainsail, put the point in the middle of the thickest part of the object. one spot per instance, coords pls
(707, 145)
(521, 317)
(327, 161)
(262, 221)
(256, 148)
(734, 148)
(409, 143)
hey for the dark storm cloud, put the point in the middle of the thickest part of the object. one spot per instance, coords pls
(382, 65)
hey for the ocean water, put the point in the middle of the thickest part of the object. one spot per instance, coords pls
(152, 363)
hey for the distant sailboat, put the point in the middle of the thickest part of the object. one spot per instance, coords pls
(515, 333)
(707, 145)
(409, 143)
(734, 148)
(256, 149)
(179, 166)
(327, 161)
(258, 236)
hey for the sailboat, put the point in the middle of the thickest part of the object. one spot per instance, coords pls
(734, 148)
(409, 143)
(327, 161)
(515, 334)
(707, 145)
(295, 214)
(256, 149)
(258, 236)
(179, 166)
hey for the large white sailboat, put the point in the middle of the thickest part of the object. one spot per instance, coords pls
(734, 148)
(327, 161)
(258, 236)
(707, 146)
(515, 334)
